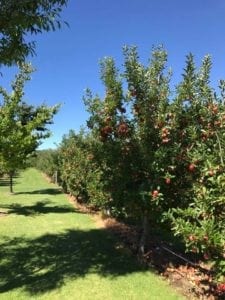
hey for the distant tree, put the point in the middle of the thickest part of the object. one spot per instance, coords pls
(21, 17)
(22, 126)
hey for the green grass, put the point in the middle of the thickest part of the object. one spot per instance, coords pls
(48, 250)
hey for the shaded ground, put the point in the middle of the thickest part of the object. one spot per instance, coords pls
(40, 207)
(185, 272)
(51, 191)
(42, 264)
(51, 250)
(4, 181)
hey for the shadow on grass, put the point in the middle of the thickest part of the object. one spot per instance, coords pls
(42, 264)
(40, 207)
(6, 181)
(52, 191)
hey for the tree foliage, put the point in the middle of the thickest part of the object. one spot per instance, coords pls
(80, 174)
(18, 18)
(46, 161)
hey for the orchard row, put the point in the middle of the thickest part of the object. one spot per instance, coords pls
(153, 153)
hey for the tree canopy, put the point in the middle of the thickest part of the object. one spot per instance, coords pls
(18, 18)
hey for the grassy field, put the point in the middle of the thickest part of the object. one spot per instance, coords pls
(48, 250)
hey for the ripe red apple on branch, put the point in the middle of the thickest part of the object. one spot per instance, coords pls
(155, 193)
(192, 167)
(168, 180)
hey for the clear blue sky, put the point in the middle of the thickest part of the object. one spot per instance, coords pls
(67, 60)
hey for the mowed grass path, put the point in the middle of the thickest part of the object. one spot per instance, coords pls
(48, 250)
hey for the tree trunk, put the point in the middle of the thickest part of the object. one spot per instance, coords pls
(144, 235)
(11, 182)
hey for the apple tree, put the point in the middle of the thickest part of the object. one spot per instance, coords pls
(199, 124)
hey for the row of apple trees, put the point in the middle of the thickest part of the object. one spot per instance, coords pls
(153, 153)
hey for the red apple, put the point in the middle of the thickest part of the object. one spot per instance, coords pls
(155, 193)
(168, 180)
(192, 237)
(191, 167)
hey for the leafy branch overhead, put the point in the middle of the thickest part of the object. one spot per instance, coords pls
(20, 18)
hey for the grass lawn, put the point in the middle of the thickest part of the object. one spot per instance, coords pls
(48, 250)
